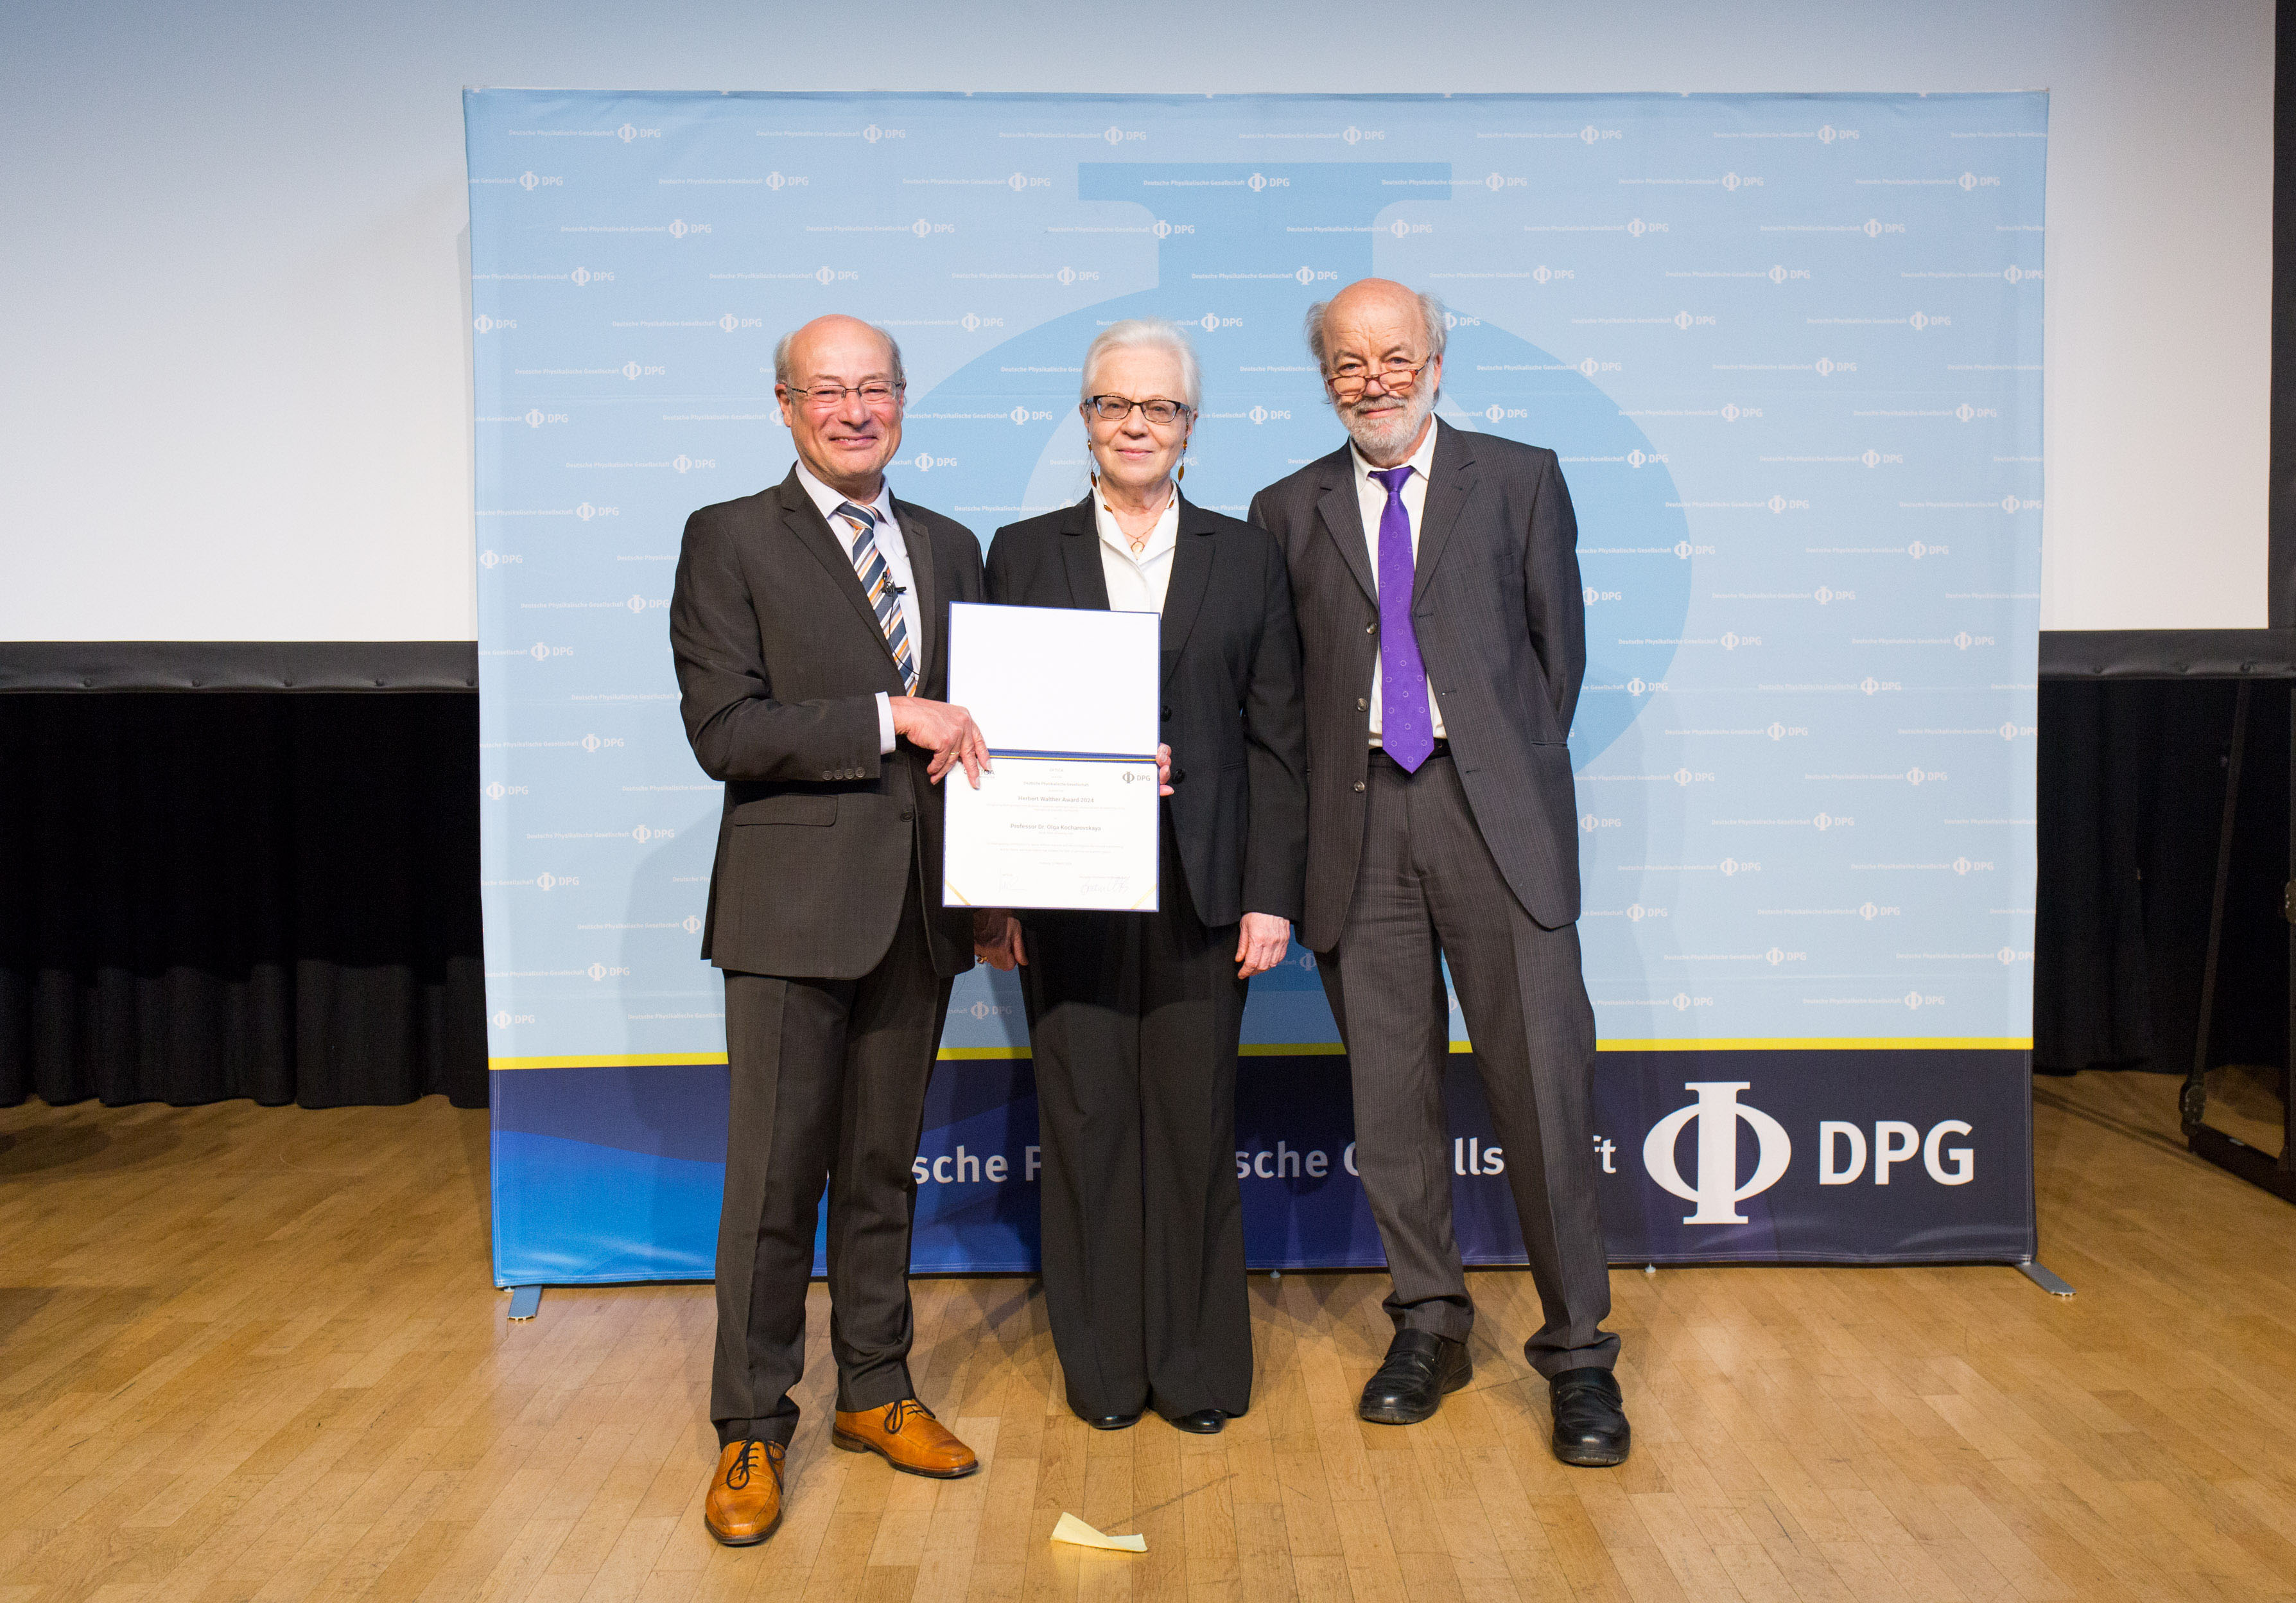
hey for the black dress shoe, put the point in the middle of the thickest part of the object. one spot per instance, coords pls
(1590, 1417)
(1420, 1366)
(1112, 1421)
(1203, 1422)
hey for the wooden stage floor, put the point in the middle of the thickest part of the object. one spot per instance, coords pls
(253, 1353)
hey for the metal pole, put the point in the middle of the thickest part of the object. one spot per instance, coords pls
(2192, 1102)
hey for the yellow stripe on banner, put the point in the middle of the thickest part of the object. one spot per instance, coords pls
(644, 1060)
(1748, 1043)
(1824, 1043)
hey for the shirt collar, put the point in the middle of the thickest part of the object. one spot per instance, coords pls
(1421, 461)
(828, 500)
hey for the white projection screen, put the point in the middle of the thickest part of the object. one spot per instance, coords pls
(237, 324)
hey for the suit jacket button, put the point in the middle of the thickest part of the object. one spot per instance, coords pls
(1371, 627)
(1360, 785)
(1168, 712)
(907, 813)
(1363, 703)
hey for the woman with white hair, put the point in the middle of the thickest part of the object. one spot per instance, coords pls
(1134, 1017)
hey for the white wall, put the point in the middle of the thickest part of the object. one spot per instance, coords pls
(233, 329)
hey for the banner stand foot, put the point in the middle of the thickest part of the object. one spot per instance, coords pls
(526, 1301)
(2045, 1277)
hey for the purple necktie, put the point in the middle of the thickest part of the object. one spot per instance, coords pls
(1407, 728)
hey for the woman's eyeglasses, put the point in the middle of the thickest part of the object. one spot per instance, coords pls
(1116, 408)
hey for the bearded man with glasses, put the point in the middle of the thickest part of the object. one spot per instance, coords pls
(1443, 642)
(810, 629)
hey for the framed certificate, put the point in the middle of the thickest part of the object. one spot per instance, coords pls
(1067, 816)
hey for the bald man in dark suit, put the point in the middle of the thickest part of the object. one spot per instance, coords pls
(810, 629)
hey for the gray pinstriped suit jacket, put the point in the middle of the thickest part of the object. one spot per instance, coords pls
(1501, 623)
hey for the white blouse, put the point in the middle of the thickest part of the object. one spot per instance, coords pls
(1136, 584)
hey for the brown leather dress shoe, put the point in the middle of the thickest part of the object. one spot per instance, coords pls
(745, 1500)
(907, 1436)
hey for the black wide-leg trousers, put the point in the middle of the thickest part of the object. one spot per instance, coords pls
(829, 1082)
(1134, 1019)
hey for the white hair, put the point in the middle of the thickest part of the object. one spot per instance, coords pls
(1147, 333)
(781, 354)
(1430, 308)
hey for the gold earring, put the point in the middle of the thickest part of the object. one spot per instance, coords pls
(1183, 474)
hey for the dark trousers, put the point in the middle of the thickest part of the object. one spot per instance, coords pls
(1428, 890)
(1134, 1019)
(829, 1088)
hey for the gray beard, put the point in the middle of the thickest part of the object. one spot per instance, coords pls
(1378, 440)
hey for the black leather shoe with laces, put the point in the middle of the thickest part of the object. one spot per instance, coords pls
(1421, 1367)
(1590, 1417)
(1203, 1422)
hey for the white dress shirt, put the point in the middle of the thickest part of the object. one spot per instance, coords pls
(1370, 497)
(894, 548)
(1136, 584)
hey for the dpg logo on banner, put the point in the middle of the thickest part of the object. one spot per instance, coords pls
(1717, 1113)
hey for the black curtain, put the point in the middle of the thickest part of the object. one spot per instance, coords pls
(217, 895)
(210, 895)
(2132, 791)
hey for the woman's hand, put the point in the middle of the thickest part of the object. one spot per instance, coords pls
(1163, 770)
(996, 939)
(1261, 943)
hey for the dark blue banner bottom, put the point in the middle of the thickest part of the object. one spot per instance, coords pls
(1877, 1157)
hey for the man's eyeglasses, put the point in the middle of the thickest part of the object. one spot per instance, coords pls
(1116, 408)
(1347, 380)
(876, 395)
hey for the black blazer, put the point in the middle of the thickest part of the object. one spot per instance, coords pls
(1502, 626)
(1231, 708)
(779, 662)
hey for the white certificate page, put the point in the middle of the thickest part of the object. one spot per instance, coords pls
(1067, 815)
(1052, 832)
(1062, 680)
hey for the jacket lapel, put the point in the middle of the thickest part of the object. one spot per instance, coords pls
(1342, 515)
(1192, 576)
(1448, 488)
(926, 582)
(1080, 555)
(804, 520)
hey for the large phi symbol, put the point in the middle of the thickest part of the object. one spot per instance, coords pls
(1717, 1192)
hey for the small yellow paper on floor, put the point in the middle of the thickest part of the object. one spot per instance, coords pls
(1073, 1530)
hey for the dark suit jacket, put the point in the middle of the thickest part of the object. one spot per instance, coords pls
(1501, 626)
(1231, 704)
(779, 662)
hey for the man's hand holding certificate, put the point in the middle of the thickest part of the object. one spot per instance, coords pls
(1067, 816)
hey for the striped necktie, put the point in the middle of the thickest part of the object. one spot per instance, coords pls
(877, 583)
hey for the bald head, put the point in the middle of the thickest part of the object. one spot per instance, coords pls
(1392, 307)
(844, 436)
(1379, 345)
(801, 348)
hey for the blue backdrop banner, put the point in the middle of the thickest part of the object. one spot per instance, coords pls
(1789, 348)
